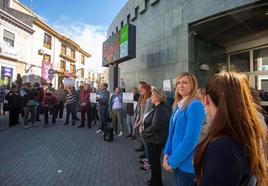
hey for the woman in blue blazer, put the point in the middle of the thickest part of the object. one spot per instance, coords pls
(184, 130)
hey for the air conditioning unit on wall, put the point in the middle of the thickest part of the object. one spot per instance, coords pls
(40, 51)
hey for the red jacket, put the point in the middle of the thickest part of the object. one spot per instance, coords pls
(84, 96)
(49, 100)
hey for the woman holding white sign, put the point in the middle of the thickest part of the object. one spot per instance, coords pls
(130, 112)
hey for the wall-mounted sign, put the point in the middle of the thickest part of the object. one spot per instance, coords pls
(120, 47)
(7, 71)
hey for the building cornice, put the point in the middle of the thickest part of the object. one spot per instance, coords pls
(14, 21)
(46, 28)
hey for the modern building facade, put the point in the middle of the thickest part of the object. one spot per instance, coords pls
(203, 37)
(35, 50)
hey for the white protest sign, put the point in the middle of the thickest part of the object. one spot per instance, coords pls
(68, 82)
(128, 97)
(93, 97)
(174, 82)
(166, 85)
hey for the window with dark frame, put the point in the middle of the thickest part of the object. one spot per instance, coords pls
(72, 68)
(73, 53)
(128, 18)
(82, 73)
(63, 49)
(62, 65)
(47, 41)
(136, 11)
(82, 59)
(9, 38)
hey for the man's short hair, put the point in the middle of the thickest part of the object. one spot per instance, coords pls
(105, 84)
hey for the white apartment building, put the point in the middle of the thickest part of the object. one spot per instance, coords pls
(44, 55)
(15, 47)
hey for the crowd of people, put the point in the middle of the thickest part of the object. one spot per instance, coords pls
(207, 137)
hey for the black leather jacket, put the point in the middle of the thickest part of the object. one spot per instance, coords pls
(156, 125)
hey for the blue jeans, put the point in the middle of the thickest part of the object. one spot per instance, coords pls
(184, 178)
(104, 117)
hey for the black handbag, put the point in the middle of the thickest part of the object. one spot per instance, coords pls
(5, 107)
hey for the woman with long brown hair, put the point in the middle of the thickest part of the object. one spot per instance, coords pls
(184, 130)
(231, 153)
(144, 106)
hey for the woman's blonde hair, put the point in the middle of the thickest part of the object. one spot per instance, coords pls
(134, 90)
(236, 117)
(194, 87)
(159, 93)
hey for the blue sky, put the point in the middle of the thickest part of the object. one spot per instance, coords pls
(84, 21)
(94, 12)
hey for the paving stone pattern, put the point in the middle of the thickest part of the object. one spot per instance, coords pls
(67, 155)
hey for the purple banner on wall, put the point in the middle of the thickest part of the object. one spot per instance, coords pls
(8, 72)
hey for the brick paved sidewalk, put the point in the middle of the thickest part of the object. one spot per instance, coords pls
(66, 155)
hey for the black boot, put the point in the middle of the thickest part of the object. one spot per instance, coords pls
(80, 126)
(73, 122)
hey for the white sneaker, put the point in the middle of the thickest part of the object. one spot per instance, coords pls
(120, 133)
(98, 131)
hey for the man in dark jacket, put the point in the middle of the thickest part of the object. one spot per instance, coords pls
(103, 99)
(14, 103)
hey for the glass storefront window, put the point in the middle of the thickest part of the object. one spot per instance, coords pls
(260, 59)
(240, 62)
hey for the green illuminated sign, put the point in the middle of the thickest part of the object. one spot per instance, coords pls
(120, 47)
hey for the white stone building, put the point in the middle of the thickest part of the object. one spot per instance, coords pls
(15, 47)
(38, 48)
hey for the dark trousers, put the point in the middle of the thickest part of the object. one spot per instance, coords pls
(14, 116)
(60, 108)
(85, 110)
(71, 109)
(38, 107)
(154, 152)
(104, 117)
(46, 113)
(94, 114)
